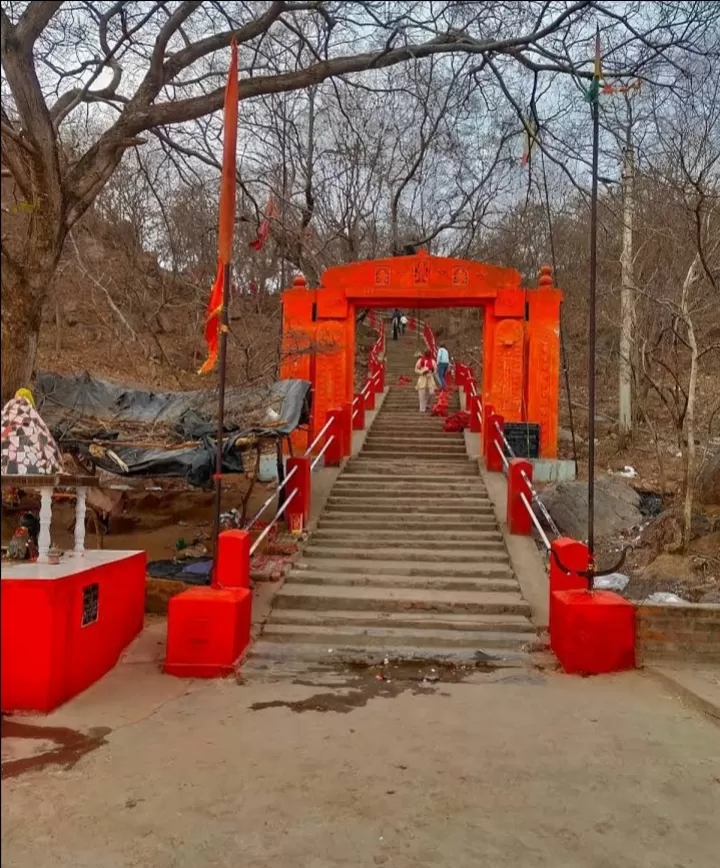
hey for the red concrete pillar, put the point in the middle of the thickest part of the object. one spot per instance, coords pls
(474, 410)
(232, 567)
(298, 490)
(518, 517)
(334, 452)
(358, 422)
(568, 558)
(488, 411)
(369, 395)
(493, 460)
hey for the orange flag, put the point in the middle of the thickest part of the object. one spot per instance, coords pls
(227, 212)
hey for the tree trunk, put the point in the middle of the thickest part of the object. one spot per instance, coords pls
(23, 298)
(627, 301)
(689, 456)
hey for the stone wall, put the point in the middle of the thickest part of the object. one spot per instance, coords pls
(682, 632)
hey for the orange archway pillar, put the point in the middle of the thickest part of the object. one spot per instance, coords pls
(504, 343)
(543, 380)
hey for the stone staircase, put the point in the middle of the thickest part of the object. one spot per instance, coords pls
(407, 561)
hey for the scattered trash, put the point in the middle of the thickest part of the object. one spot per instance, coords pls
(379, 677)
(386, 661)
(330, 650)
(611, 582)
(628, 472)
(665, 597)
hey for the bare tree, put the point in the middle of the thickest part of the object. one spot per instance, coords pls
(135, 69)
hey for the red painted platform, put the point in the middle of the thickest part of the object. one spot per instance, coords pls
(65, 626)
(592, 633)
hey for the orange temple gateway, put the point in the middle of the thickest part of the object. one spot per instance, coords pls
(521, 346)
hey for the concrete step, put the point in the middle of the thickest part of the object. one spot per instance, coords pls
(437, 583)
(388, 468)
(368, 524)
(422, 620)
(433, 483)
(425, 455)
(389, 509)
(398, 637)
(419, 449)
(387, 538)
(391, 562)
(289, 660)
(403, 541)
(320, 597)
(390, 488)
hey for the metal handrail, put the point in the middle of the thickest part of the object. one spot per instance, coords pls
(505, 462)
(272, 523)
(318, 438)
(541, 506)
(322, 452)
(510, 450)
(270, 499)
(534, 519)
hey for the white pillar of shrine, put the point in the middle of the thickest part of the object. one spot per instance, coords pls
(80, 508)
(44, 541)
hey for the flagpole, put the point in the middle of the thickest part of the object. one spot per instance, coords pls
(595, 108)
(222, 375)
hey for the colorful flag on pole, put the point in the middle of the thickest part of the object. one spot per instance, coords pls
(264, 228)
(226, 222)
(592, 94)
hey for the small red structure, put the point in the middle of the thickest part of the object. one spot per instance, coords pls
(592, 632)
(64, 626)
(209, 628)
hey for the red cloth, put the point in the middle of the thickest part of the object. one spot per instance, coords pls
(457, 422)
(403, 380)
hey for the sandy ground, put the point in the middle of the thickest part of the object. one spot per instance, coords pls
(519, 769)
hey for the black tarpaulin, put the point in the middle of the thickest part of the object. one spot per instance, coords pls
(110, 423)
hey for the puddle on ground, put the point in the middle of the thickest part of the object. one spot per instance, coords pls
(358, 683)
(58, 746)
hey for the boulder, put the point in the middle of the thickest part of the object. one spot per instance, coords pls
(707, 487)
(617, 507)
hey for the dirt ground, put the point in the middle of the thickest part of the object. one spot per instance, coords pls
(516, 768)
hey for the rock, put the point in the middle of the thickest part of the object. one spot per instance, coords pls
(617, 506)
(711, 597)
(707, 487)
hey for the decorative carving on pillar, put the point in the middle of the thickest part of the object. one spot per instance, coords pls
(546, 276)
(460, 277)
(507, 369)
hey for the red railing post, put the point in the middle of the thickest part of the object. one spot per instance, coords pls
(369, 395)
(493, 460)
(298, 493)
(573, 556)
(474, 410)
(488, 411)
(359, 412)
(232, 566)
(347, 428)
(518, 518)
(334, 453)
(381, 378)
